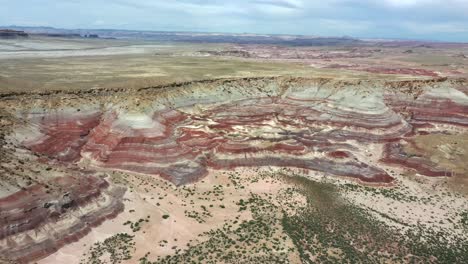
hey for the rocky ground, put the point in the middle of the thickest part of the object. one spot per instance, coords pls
(271, 168)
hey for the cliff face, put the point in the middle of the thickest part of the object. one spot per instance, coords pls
(38, 220)
(354, 128)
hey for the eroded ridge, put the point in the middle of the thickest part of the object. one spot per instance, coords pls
(357, 129)
(38, 220)
(302, 127)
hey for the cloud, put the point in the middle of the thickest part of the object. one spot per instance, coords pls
(436, 28)
(421, 3)
(280, 3)
(406, 3)
(429, 19)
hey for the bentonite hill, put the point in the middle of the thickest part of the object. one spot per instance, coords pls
(245, 150)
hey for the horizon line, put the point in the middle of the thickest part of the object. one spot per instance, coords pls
(245, 33)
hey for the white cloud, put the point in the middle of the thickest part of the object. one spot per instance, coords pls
(353, 27)
(436, 28)
(452, 4)
(407, 3)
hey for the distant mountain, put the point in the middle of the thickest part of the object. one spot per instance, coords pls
(241, 38)
(195, 37)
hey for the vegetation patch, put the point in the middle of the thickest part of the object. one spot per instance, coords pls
(114, 249)
(310, 221)
(331, 230)
(259, 240)
(464, 219)
(136, 226)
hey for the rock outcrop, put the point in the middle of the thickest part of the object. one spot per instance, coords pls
(180, 132)
(38, 220)
(300, 125)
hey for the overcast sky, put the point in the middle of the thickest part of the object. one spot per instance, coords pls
(406, 19)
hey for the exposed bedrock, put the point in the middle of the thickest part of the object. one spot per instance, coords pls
(394, 153)
(435, 106)
(181, 131)
(61, 134)
(38, 220)
(252, 132)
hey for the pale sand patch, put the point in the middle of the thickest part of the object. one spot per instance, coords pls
(434, 206)
(177, 229)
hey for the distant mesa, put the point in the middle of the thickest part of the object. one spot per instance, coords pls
(69, 35)
(8, 33)
(60, 35)
(234, 53)
(91, 36)
(191, 37)
(12, 34)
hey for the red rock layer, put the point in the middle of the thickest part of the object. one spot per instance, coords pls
(309, 132)
(428, 109)
(424, 113)
(395, 154)
(64, 134)
(38, 220)
(253, 132)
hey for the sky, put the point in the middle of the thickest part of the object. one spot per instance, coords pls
(444, 20)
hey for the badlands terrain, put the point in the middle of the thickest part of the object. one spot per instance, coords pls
(149, 151)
